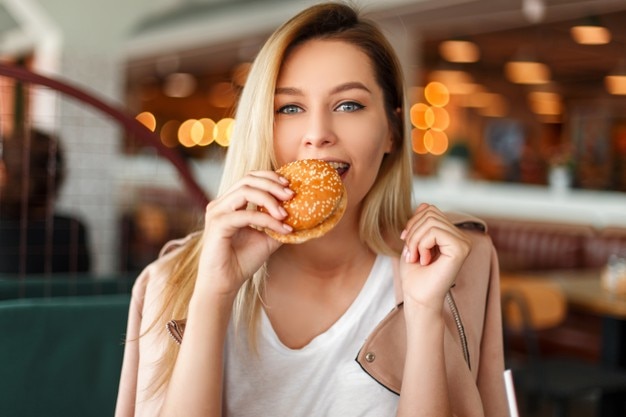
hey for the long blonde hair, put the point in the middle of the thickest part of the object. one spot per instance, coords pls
(386, 207)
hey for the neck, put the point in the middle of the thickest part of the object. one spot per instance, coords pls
(323, 256)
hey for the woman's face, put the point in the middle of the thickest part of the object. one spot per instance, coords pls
(329, 106)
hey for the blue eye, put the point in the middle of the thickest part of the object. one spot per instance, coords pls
(289, 109)
(349, 107)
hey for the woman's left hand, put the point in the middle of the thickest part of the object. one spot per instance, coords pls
(434, 251)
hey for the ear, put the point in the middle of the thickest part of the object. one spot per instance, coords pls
(390, 142)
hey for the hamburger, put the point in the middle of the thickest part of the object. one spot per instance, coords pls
(318, 203)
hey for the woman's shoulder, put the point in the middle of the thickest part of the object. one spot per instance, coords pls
(476, 229)
(174, 244)
(155, 275)
(467, 221)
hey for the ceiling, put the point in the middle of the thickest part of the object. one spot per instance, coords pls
(577, 70)
(499, 27)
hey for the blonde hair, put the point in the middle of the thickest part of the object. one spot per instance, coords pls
(386, 207)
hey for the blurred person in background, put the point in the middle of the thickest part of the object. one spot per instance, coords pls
(34, 238)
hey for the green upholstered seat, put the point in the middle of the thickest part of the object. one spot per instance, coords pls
(61, 285)
(61, 356)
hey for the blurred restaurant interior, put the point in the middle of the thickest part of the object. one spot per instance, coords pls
(517, 114)
(549, 145)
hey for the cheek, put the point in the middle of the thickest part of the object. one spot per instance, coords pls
(370, 153)
(373, 143)
(285, 146)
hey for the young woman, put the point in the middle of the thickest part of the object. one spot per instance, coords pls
(305, 330)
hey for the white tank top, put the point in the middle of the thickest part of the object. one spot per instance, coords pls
(321, 379)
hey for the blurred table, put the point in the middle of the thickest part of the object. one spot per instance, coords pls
(584, 292)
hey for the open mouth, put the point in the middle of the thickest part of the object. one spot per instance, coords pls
(340, 167)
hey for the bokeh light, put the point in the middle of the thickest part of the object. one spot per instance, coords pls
(437, 118)
(223, 130)
(437, 94)
(436, 142)
(169, 133)
(208, 131)
(147, 119)
(185, 134)
(417, 113)
(417, 141)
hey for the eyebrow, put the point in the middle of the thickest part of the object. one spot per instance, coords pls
(353, 85)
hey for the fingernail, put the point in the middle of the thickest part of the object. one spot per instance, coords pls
(403, 234)
(287, 227)
(282, 211)
(283, 180)
(289, 191)
(405, 253)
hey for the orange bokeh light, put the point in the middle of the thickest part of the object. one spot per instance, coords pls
(417, 141)
(436, 142)
(418, 113)
(437, 118)
(437, 94)
(147, 119)
(223, 130)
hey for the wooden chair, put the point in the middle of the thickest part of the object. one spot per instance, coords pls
(530, 306)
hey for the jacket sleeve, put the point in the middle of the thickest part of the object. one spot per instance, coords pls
(144, 347)
(475, 392)
(127, 392)
(490, 379)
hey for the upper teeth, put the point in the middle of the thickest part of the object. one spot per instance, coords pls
(338, 165)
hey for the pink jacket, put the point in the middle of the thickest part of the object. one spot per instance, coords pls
(476, 388)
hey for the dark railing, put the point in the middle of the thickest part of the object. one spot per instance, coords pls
(131, 125)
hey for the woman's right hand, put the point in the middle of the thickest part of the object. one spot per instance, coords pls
(233, 246)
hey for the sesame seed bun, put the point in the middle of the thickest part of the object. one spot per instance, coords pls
(318, 204)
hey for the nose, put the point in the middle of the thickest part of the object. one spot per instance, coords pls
(319, 131)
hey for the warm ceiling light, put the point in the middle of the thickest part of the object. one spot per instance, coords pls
(545, 103)
(459, 51)
(590, 34)
(615, 84)
(527, 72)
